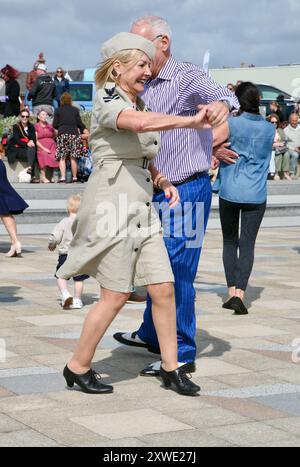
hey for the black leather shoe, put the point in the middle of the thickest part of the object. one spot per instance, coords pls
(89, 382)
(239, 307)
(152, 371)
(131, 341)
(227, 304)
(236, 304)
(179, 381)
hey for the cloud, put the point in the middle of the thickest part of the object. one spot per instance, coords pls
(70, 33)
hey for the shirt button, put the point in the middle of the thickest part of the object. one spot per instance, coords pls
(136, 250)
(148, 180)
(156, 143)
(139, 226)
(148, 204)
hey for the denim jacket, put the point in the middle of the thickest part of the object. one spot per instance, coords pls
(246, 181)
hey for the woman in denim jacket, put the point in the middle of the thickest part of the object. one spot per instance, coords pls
(242, 189)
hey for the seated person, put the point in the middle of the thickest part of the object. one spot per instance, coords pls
(22, 144)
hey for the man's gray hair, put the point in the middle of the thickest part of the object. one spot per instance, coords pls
(158, 24)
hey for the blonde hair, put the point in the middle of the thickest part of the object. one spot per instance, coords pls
(105, 71)
(73, 203)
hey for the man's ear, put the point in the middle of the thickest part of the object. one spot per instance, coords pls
(166, 43)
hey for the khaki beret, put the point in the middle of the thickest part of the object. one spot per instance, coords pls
(125, 41)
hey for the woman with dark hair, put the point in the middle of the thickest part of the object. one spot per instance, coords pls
(12, 91)
(22, 144)
(68, 122)
(242, 189)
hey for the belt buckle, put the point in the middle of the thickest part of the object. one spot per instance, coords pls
(146, 163)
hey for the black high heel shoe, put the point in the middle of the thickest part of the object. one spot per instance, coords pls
(89, 382)
(181, 383)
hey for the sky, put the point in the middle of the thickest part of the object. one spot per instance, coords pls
(70, 32)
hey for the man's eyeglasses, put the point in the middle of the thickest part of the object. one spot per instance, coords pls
(157, 37)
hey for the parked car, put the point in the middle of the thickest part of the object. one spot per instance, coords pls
(82, 93)
(270, 93)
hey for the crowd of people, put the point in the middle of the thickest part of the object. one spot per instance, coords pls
(58, 137)
(286, 147)
(161, 155)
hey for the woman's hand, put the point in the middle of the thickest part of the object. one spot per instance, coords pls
(201, 118)
(171, 192)
(31, 144)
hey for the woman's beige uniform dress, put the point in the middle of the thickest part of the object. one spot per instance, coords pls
(117, 233)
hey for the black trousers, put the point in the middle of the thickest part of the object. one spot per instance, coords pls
(239, 244)
(23, 154)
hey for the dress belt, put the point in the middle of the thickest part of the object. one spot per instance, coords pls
(143, 162)
(191, 178)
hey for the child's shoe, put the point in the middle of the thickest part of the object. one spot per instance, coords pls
(77, 304)
(66, 300)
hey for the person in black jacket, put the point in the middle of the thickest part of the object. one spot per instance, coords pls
(69, 143)
(22, 144)
(12, 91)
(42, 93)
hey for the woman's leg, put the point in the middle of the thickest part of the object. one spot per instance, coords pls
(62, 168)
(74, 167)
(11, 227)
(164, 318)
(286, 165)
(43, 177)
(78, 289)
(229, 216)
(278, 164)
(252, 216)
(96, 323)
(31, 158)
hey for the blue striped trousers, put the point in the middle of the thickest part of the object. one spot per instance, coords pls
(184, 252)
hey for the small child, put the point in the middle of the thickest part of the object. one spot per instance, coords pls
(62, 236)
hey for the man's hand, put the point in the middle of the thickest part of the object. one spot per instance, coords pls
(216, 112)
(51, 247)
(222, 153)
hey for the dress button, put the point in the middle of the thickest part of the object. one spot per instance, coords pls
(139, 226)
(148, 180)
(148, 204)
(136, 250)
(156, 143)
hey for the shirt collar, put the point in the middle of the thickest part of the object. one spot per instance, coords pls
(250, 116)
(167, 72)
(290, 127)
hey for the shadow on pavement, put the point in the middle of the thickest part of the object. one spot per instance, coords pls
(125, 363)
(8, 294)
(252, 294)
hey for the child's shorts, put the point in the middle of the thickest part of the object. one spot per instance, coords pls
(61, 260)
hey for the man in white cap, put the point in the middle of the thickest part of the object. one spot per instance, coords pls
(43, 92)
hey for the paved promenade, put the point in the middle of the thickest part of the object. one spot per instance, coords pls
(247, 366)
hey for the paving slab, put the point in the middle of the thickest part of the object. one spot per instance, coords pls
(133, 424)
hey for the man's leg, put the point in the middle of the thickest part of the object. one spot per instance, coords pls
(184, 260)
(293, 162)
